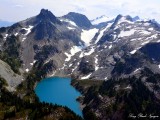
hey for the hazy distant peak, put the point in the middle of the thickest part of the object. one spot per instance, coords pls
(101, 19)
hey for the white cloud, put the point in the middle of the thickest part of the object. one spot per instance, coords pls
(91, 8)
(19, 6)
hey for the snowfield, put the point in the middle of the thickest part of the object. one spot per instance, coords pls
(87, 35)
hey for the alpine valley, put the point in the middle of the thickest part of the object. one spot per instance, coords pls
(113, 62)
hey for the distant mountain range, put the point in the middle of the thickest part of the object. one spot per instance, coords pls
(5, 23)
(101, 19)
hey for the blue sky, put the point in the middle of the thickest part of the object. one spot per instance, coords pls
(17, 10)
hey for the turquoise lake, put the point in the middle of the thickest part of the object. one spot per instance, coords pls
(58, 90)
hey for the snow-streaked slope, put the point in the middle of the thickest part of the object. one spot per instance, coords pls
(133, 52)
(123, 20)
(72, 52)
(28, 29)
(96, 63)
(87, 53)
(86, 77)
(68, 21)
(87, 35)
(102, 31)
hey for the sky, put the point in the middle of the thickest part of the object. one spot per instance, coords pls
(17, 10)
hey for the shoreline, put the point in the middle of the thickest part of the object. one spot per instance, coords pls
(81, 106)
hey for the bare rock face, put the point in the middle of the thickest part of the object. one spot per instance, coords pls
(13, 79)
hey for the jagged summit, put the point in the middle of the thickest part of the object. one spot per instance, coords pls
(123, 18)
(47, 15)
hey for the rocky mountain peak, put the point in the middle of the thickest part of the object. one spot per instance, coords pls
(46, 15)
(118, 17)
(79, 19)
(136, 18)
(121, 18)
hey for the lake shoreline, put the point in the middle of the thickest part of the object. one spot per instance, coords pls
(58, 88)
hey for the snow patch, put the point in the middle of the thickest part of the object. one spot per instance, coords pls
(75, 67)
(90, 52)
(33, 63)
(73, 51)
(146, 42)
(127, 33)
(86, 77)
(16, 34)
(133, 52)
(23, 39)
(128, 87)
(70, 65)
(145, 32)
(52, 74)
(154, 36)
(28, 29)
(137, 70)
(96, 64)
(110, 46)
(70, 28)
(87, 35)
(133, 40)
(114, 37)
(122, 20)
(5, 36)
(150, 29)
(68, 56)
(84, 53)
(106, 78)
(69, 21)
(27, 70)
(81, 55)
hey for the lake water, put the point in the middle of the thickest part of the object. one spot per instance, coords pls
(58, 90)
